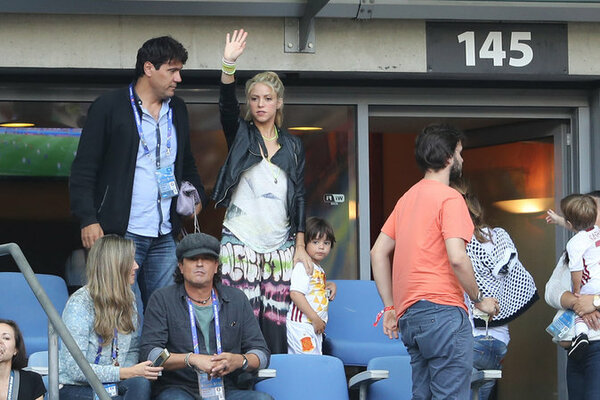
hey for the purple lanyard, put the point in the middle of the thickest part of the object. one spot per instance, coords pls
(138, 124)
(217, 324)
(115, 349)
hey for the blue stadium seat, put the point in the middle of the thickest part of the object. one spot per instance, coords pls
(391, 378)
(38, 362)
(17, 302)
(305, 376)
(350, 334)
(398, 384)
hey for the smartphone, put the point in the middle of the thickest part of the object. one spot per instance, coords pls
(161, 358)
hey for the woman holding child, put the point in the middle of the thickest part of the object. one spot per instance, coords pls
(261, 184)
(582, 373)
(102, 318)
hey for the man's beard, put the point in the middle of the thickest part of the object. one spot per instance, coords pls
(455, 171)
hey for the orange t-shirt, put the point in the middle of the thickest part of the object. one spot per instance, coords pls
(428, 214)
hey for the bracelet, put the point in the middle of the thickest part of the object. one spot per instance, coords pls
(380, 314)
(187, 360)
(227, 67)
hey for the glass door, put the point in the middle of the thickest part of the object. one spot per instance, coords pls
(516, 169)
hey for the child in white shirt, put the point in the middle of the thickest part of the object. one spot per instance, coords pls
(307, 316)
(583, 254)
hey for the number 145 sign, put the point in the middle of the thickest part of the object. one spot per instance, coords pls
(497, 48)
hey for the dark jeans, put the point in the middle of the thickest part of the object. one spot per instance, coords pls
(582, 375)
(137, 388)
(488, 354)
(231, 394)
(440, 343)
(157, 260)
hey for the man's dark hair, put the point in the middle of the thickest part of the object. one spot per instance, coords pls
(178, 276)
(595, 193)
(159, 51)
(19, 360)
(435, 145)
(317, 228)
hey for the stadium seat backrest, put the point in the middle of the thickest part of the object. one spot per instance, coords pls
(305, 376)
(398, 386)
(17, 302)
(38, 362)
(350, 334)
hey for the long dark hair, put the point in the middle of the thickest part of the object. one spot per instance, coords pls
(475, 210)
(19, 360)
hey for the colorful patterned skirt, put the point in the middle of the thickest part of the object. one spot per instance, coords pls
(265, 279)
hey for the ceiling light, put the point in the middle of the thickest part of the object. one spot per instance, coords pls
(305, 128)
(17, 124)
(525, 206)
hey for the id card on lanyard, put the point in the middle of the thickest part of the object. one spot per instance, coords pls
(210, 389)
(11, 382)
(111, 388)
(165, 176)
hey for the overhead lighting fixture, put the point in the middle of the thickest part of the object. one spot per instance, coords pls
(17, 124)
(305, 128)
(525, 206)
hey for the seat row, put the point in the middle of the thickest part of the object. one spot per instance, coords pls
(351, 340)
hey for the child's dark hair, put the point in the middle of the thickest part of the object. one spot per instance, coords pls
(579, 210)
(316, 228)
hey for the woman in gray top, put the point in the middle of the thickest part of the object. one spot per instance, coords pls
(102, 318)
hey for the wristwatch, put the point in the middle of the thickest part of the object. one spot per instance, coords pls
(479, 298)
(244, 363)
(596, 301)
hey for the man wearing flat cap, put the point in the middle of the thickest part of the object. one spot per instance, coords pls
(209, 329)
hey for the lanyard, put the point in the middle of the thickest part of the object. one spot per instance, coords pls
(217, 324)
(115, 349)
(138, 124)
(10, 385)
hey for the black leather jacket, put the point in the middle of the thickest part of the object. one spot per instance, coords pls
(245, 141)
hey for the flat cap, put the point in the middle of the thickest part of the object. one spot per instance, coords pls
(198, 244)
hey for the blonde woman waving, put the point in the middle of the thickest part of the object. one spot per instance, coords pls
(261, 184)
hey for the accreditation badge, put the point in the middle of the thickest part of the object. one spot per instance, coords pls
(210, 389)
(167, 186)
(111, 389)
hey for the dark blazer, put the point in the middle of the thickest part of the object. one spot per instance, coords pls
(245, 141)
(167, 325)
(101, 182)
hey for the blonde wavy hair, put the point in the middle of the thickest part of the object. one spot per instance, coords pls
(271, 79)
(108, 270)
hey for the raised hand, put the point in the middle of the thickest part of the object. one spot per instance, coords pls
(553, 218)
(234, 45)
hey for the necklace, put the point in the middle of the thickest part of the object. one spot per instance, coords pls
(274, 169)
(271, 138)
(200, 301)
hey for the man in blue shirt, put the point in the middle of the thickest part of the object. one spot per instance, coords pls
(133, 154)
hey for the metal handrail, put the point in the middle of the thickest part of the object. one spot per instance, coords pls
(56, 322)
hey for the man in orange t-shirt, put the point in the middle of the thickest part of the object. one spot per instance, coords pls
(423, 292)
